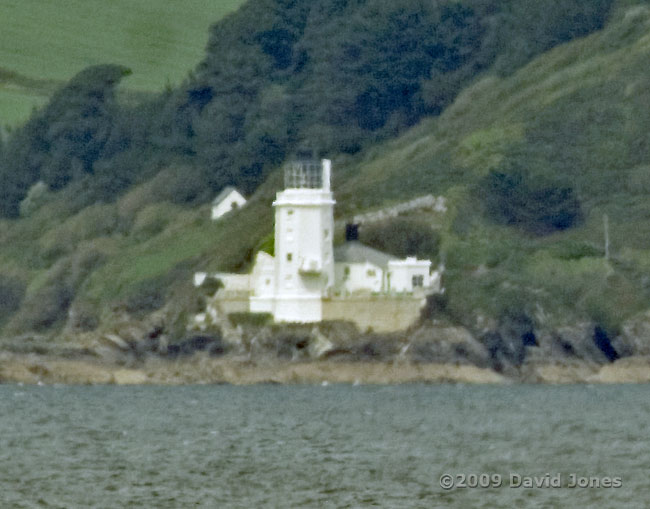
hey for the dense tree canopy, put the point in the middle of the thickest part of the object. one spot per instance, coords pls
(65, 139)
(331, 74)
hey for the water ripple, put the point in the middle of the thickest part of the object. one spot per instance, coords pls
(275, 446)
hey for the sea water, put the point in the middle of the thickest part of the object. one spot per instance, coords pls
(324, 446)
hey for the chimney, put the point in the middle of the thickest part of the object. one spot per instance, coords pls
(327, 170)
(351, 232)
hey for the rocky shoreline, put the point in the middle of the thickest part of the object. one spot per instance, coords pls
(142, 352)
(203, 368)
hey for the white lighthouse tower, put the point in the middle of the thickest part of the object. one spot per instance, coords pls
(304, 226)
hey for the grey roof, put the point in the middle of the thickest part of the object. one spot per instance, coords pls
(356, 252)
(223, 194)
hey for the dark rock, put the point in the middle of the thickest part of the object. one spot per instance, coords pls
(291, 345)
(214, 345)
(446, 344)
(504, 350)
(602, 341)
(573, 342)
(376, 348)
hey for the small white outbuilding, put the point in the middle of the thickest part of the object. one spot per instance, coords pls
(359, 268)
(410, 274)
(228, 199)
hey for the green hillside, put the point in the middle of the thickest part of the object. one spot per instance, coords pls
(43, 44)
(577, 116)
(529, 160)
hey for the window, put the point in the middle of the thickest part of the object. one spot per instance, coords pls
(289, 257)
(346, 271)
(417, 281)
(371, 273)
(290, 212)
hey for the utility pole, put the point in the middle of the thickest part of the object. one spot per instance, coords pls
(606, 228)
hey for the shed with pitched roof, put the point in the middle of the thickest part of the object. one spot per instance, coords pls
(228, 199)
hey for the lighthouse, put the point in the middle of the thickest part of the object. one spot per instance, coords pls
(304, 225)
(306, 281)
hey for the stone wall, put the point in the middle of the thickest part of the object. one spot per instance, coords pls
(427, 202)
(381, 313)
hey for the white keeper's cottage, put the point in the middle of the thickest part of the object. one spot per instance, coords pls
(228, 199)
(309, 281)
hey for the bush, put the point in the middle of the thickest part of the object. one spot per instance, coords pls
(435, 307)
(574, 250)
(151, 294)
(514, 197)
(251, 319)
(402, 237)
(47, 307)
(147, 296)
(267, 244)
(12, 292)
(94, 221)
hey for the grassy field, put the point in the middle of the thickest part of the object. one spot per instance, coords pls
(159, 40)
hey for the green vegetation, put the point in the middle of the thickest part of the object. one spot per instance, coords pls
(44, 44)
(276, 76)
(531, 144)
(402, 237)
(547, 150)
(250, 319)
(514, 197)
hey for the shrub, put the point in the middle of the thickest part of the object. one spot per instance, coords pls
(151, 294)
(129, 205)
(94, 221)
(252, 319)
(88, 257)
(574, 250)
(514, 197)
(47, 307)
(435, 307)
(147, 296)
(12, 292)
(402, 237)
(267, 244)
